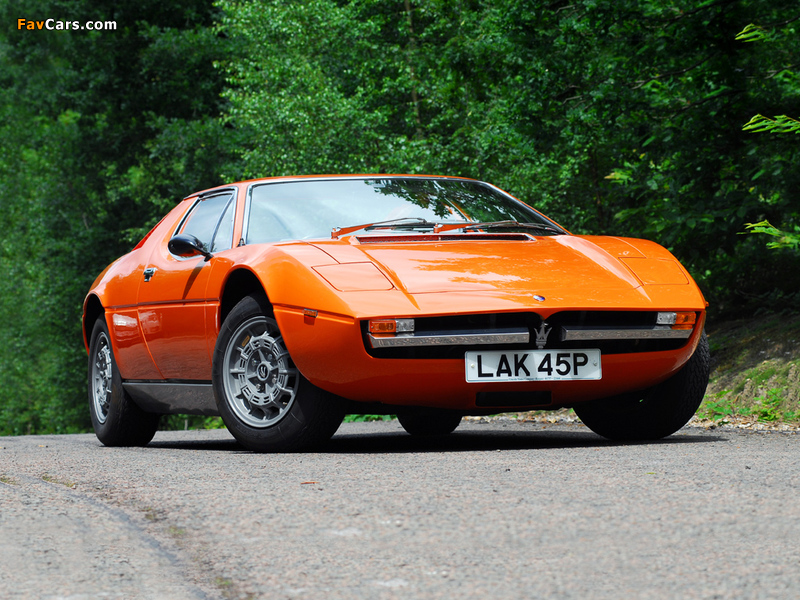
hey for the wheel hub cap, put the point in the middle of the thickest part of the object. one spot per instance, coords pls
(262, 371)
(261, 380)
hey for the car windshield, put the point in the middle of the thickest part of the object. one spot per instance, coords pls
(312, 208)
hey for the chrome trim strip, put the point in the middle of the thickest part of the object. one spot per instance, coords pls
(453, 338)
(569, 334)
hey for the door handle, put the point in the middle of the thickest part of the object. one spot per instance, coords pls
(149, 272)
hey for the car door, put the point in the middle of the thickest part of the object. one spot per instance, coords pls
(172, 296)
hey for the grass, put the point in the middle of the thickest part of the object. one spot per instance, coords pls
(770, 408)
(755, 370)
(365, 418)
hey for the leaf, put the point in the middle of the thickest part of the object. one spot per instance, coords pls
(780, 124)
(752, 33)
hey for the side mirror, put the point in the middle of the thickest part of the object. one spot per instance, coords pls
(187, 245)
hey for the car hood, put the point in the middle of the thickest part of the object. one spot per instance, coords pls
(572, 269)
(505, 264)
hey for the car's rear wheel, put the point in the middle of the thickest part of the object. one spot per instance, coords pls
(654, 413)
(116, 419)
(265, 402)
(432, 422)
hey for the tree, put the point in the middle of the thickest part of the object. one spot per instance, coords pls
(100, 133)
(610, 116)
(779, 124)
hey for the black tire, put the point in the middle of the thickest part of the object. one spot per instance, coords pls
(431, 422)
(654, 413)
(264, 401)
(116, 418)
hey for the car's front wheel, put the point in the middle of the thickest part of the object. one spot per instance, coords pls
(654, 413)
(116, 419)
(264, 401)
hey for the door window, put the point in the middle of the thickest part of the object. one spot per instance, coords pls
(211, 222)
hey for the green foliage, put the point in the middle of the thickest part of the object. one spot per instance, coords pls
(610, 117)
(287, 88)
(716, 410)
(766, 409)
(367, 418)
(99, 133)
(753, 33)
(183, 422)
(780, 124)
(784, 239)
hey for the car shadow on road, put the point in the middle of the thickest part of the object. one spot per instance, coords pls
(492, 440)
(367, 440)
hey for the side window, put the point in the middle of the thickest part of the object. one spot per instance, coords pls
(222, 238)
(211, 222)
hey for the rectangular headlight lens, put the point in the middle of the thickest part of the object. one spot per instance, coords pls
(666, 318)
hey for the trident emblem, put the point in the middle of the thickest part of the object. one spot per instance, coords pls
(541, 335)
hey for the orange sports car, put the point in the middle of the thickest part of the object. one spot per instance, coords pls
(283, 304)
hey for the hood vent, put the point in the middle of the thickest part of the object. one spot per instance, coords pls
(444, 237)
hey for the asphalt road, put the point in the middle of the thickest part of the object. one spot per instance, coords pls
(496, 510)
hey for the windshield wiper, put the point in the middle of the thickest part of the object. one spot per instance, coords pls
(496, 224)
(402, 223)
(414, 222)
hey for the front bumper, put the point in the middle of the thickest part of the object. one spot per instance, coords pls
(330, 351)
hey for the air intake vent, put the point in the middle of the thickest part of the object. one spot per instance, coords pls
(436, 237)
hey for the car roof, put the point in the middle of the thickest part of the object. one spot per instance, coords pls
(332, 177)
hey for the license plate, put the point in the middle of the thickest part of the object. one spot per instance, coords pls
(533, 365)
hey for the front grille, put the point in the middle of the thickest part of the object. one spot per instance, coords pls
(622, 320)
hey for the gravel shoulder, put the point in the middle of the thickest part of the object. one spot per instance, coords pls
(500, 509)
